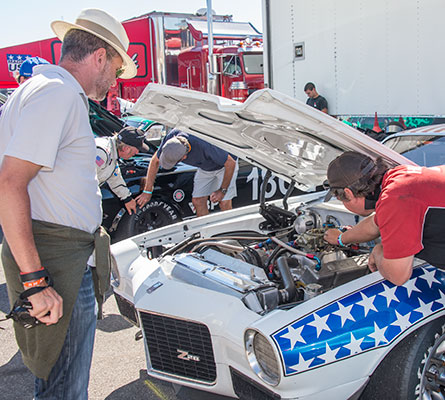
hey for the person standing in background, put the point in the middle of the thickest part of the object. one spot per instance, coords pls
(314, 99)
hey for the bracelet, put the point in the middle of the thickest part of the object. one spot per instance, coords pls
(147, 191)
(33, 276)
(36, 278)
(31, 284)
(339, 241)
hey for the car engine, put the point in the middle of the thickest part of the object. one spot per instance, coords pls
(292, 263)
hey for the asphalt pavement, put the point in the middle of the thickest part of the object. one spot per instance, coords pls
(118, 371)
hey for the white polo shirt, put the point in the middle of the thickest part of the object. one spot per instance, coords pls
(46, 122)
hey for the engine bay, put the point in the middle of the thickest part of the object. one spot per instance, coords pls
(288, 264)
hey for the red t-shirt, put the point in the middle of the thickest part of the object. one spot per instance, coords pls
(410, 213)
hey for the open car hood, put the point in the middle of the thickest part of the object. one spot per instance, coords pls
(270, 130)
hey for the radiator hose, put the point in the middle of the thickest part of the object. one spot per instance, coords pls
(289, 292)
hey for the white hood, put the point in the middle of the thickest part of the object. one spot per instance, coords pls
(271, 130)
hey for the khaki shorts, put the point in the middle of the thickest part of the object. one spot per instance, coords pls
(207, 182)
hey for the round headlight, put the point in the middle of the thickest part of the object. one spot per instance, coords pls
(262, 357)
(115, 271)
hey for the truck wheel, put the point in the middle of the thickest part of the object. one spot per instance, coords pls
(154, 214)
(415, 368)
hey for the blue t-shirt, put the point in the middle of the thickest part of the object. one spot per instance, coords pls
(202, 154)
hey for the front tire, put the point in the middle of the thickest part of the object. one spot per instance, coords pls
(415, 368)
(155, 214)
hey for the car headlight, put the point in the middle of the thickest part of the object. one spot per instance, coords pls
(115, 271)
(261, 356)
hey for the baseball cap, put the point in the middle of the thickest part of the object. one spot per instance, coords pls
(172, 152)
(29, 64)
(346, 170)
(133, 137)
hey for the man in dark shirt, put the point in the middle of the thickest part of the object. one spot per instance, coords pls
(215, 177)
(314, 99)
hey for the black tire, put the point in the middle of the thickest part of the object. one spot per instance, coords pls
(155, 214)
(401, 375)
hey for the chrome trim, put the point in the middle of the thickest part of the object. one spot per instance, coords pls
(177, 377)
(159, 56)
(249, 336)
(114, 269)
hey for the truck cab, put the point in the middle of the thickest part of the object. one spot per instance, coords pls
(239, 69)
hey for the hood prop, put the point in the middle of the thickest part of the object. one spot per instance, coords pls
(288, 193)
(275, 217)
(264, 187)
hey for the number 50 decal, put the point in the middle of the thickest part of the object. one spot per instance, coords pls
(271, 189)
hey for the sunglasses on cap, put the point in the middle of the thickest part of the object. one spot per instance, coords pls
(119, 72)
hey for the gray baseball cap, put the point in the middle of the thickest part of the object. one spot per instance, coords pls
(172, 152)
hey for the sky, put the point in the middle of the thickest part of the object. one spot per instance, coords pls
(29, 20)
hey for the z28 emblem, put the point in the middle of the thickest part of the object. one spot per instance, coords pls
(184, 355)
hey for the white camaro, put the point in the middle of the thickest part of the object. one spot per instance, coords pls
(252, 302)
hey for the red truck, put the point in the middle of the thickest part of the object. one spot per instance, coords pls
(172, 49)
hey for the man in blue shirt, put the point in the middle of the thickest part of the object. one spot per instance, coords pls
(214, 178)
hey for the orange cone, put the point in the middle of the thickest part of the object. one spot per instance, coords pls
(402, 122)
(376, 127)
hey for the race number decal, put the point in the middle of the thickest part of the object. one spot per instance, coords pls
(272, 185)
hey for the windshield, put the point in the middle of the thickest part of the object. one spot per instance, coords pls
(425, 150)
(253, 63)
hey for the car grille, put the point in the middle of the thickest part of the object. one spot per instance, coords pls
(126, 309)
(179, 347)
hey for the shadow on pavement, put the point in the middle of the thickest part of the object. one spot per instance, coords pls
(149, 388)
(16, 381)
(4, 301)
(113, 323)
(142, 388)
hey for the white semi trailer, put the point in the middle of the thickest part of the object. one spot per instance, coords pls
(384, 56)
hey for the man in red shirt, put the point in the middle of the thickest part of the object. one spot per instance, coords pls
(404, 206)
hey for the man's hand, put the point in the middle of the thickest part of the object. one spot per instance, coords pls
(217, 196)
(375, 258)
(46, 302)
(143, 199)
(331, 236)
(131, 206)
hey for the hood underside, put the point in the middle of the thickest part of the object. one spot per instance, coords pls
(270, 130)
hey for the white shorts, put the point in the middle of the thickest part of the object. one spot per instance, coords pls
(207, 182)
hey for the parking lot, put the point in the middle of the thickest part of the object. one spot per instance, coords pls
(118, 370)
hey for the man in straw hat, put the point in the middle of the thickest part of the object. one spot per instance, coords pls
(51, 204)
(404, 206)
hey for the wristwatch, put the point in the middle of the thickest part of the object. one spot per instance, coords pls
(223, 190)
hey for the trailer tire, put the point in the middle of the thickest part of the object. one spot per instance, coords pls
(155, 214)
(401, 375)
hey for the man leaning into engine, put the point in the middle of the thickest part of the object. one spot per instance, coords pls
(404, 206)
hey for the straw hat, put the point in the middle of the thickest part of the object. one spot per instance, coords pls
(105, 27)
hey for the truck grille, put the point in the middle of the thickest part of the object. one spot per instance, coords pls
(126, 309)
(179, 347)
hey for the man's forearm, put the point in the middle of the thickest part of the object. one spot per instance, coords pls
(229, 168)
(15, 217)
(15, 211)
(364, 231)
(152, 170)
